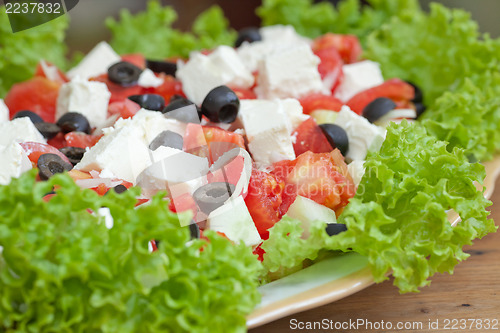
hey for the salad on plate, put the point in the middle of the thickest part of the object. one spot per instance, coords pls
(156, 182)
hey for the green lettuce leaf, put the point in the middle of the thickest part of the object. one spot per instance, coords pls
(62, 270)
(151, 34)
(350, 17)
(20, 52)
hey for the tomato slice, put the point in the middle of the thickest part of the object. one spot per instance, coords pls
(125, 109)
(82, 140)
(330, 67)
(317, 101)
(38, 94)
(170, 87)
(310, 137)
(35, 149)
(348, 46)
(118, 92)
(399, 91)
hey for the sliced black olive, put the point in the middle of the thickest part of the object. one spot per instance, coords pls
(50, 164)
(74, 154)
(194, 230)
(249, 35)
(378, 108)
(151, 102)
(73, 122)
(419, 96)
(178, 102)
(335, 228)
(221, 105)
(336, 136)
(159, 66)
(420, 108)
(118, 189)
(212, 195)
(124, 73)
(30, 114)
(167, 139)
(48, 130)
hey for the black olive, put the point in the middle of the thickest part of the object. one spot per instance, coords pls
(30, 114)
(335, 228)
(378, 108)
(74, 154)
(48, 130)
(118, 189)
(124, 73)
(221, 105)
(212, 195)
(151, 102)
(336, 136)
(419, 96)
(50, 164)
(159, 66)
(194, 230)
(420, 108)
(73, 122)
(177, 102)
(249, 35)
(167, 139)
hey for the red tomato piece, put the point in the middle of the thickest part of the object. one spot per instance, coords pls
(258, 251)
(61, 77)
(125, 108)
(348, 46)
(82, 140)
(330, 67)
(58, 141)
(35, 149)
(263, 200)
(317, 101)
(310, 137)
(169, 88)
(118, 92)
(183, 203)
(395, 89)
(37, 94)
(136, 58)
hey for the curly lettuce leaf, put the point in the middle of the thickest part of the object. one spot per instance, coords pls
(62, 270)
(398, 218)
(20, 52)
(350, 17)
(437, 51)
(151, 34)
(469, 117)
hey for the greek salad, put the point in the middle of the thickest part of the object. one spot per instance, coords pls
(175, 184)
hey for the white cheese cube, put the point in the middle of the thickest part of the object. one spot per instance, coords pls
(293, 109)
(292, 72)
(272, 146)
(4, 112)
(358, 76)
(234, 220)
(148, 79)
(89, 98)
(96, 62)
(362, 135)
(19, 130)
(13, 162)
(282, 34)
(202, 73)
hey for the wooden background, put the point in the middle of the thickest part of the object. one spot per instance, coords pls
(472, 292)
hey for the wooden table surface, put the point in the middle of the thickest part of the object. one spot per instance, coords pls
(471, 294)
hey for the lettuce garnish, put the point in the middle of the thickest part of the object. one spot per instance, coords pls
(151, 34)
(398, 218)
(21, 51)
(62, 270)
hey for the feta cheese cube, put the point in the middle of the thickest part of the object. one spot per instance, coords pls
(362, 135)
(96, 62)
(358, 76)
(89, 98)
(292, 72)
(19, 130)
(284, 34)
(4, 112)
(13, 162)
(202, 73)
(148, 79)
(234, 220)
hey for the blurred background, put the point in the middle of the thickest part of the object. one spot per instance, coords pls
(87, 18)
